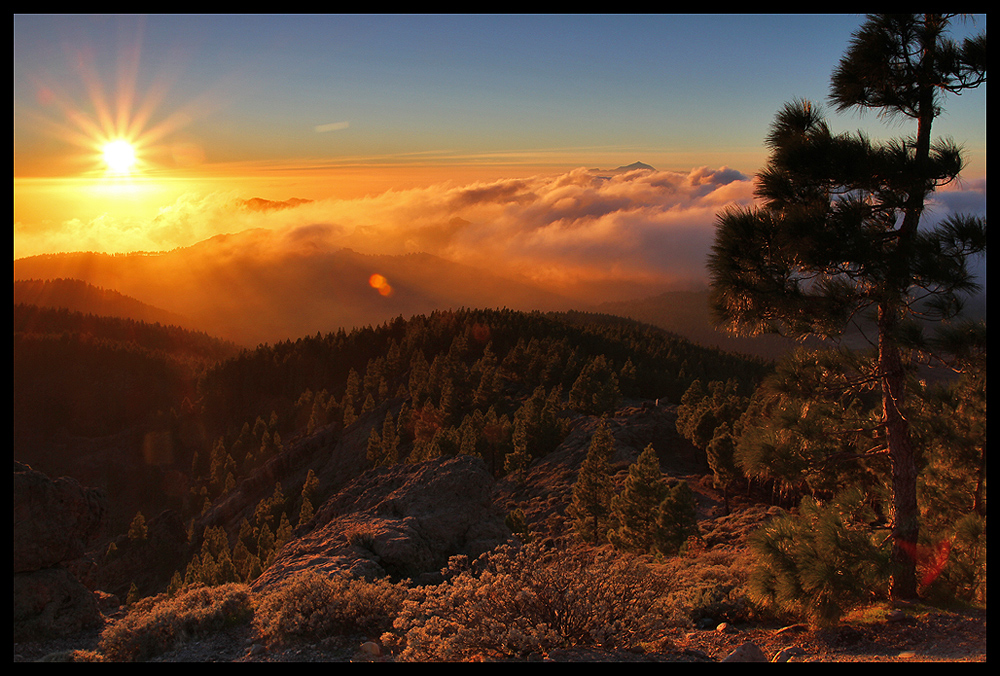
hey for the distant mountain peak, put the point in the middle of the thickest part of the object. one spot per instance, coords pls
(625, 168)
(634, 166)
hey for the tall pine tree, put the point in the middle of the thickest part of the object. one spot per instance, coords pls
(836, 234)
(593, 490)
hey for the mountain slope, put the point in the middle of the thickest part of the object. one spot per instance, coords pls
(78, 296)
(257, 286)
(687, 314)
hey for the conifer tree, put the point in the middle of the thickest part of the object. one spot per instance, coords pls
(176, 583)
(633, 509)
(374, 449)
(593, 489)
(721, 453)
(676, 519)
(821, 560)
(284, 533)
(133, 595)
(305, 512)
(390, 441)
(517, 460)
(137, 529)
(836, 236)
(309, 487)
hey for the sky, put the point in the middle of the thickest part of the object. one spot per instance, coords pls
(386, 121)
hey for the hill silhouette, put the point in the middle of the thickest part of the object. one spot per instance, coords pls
(79, 296)
(260, 286)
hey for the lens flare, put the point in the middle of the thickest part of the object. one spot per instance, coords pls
(380, 284)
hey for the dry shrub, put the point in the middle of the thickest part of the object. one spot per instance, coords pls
(157, 624)
(710, 584)
(532, 599)
(313, 606)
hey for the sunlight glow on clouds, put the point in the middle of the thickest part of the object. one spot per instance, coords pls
(646, 227)
(574, 227)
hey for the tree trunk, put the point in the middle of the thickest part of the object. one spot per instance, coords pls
(906, 524)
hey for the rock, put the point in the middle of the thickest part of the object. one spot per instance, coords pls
(51, 602)
(405, 521)
(54, 519)
(748, 652)
(149, 563)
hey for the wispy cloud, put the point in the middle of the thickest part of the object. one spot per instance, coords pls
(332, 126)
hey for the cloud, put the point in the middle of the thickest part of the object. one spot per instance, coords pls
(644, 230)
(333, 126)
(562, 230)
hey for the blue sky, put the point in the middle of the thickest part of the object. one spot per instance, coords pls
(562, 89)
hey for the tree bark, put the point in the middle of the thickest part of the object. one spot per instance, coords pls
(906, 523)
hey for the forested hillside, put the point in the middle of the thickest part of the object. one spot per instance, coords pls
(79, 296)
(239, 445)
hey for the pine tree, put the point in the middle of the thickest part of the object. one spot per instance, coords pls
(634, 508)
(836, 236)
(133, 595)
(137, 529)
(305, 512)
(821, 560)
(721, 453)
(390, 441)
(676, 519)
(284, 533)
(593, 490)
(374, 449)
(518, 459)
(596, 390)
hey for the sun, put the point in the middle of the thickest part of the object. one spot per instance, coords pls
(120, 156)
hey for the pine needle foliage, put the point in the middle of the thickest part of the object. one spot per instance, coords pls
(633, 509)
(593, 490)
(821, 561)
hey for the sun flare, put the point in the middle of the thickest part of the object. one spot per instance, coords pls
(119, 156)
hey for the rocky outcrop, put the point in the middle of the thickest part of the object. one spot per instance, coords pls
(404, 521)
(54, 522)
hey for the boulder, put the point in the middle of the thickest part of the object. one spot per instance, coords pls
(52, 602)
(403, 521)
(54, 519)
(748, 652)
(54, 522)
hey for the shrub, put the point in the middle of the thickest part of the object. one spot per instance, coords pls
(822, 561)
(708, 584)
(530, 599)
(311, 606)
(157, 624)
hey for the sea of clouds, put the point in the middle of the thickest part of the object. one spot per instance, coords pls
(648, 226)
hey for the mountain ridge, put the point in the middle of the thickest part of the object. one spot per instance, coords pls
(260, 286)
